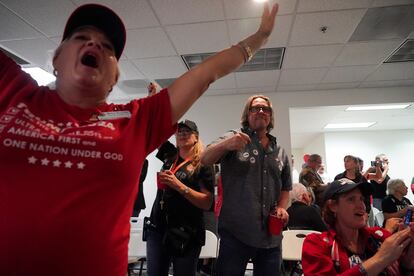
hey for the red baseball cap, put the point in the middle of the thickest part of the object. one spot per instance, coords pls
(101, 17)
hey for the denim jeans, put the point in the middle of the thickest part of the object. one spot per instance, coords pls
(234, 256)
(158, 259)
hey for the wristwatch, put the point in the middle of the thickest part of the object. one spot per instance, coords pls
(186, 190)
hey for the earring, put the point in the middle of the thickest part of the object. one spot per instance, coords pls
(55, 72)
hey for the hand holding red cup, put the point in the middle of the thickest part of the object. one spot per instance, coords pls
(275, 225)
(277, 220)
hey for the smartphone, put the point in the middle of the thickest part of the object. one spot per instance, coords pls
(407, 217)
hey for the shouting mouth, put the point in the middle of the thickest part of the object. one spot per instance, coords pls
(90, 60)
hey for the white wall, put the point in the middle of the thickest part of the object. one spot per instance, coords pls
(317, 145)
(398, 145)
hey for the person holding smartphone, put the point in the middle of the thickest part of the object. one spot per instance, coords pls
(395, 204)
(349, 247)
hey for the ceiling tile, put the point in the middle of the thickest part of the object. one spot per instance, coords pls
(393, 71)
(389, 83)
(240, 29)
(134, 13)
(118, 96)
(311, 56)
(199, 37)
(49, 17)
(40, 52)
(227, 82)
(302, 76)
(381, 3)
(348, 73)
(128, 71)
(340, 24)
(247, 8)
(12, 27)
(248, 91)
(149, 42)
(366, 53)
(304, 87)
(338, 85)
(161, 68)
(257, 78)
(382, 23)
(187, 11)
(217, 92)
(326, 5)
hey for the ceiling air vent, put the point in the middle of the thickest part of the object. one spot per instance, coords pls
(164, 82)
(264, 59)
(394, 22)
(17, 59)
(403, 53)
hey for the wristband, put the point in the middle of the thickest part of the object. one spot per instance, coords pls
(362, 270)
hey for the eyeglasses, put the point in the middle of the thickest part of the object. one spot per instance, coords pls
(265, 109)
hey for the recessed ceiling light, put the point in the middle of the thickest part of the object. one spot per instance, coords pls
(350, 125)
(41, 76)
(377, 107)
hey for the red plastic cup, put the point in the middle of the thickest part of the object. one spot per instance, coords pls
(160, 185)
(275, 225)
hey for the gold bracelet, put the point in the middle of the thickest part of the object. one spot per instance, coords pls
(247, 50)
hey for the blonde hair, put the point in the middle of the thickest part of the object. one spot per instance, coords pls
(245, 115)
(195, 153)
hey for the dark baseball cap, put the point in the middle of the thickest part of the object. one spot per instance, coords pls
(189, 124)
(102, 18)
(344, 185)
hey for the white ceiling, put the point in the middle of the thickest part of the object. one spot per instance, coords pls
(307, 123)
(160, 31)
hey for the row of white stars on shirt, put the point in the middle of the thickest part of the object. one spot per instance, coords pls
(56, 163)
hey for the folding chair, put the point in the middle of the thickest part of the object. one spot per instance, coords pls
(292, 243)
(210, 249)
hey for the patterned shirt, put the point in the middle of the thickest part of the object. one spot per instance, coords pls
(253, 179)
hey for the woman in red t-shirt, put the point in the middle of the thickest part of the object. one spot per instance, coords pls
(351, 248)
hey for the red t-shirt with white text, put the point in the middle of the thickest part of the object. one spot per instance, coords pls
(68, 177)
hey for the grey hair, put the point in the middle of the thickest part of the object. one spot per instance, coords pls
(380, 156)
(296, 194)
(314, 157)
(393, 184)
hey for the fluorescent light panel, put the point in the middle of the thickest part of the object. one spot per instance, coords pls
(41, 76)
(377, 107)
(350, 125)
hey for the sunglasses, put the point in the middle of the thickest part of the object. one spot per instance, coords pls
(265, 109)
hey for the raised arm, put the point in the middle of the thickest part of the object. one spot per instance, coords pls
(190, 86)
